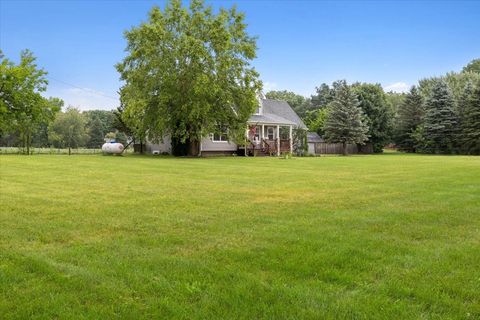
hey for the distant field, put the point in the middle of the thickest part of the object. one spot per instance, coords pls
(363, 237)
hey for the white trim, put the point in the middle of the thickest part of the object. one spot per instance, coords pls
(212, 137)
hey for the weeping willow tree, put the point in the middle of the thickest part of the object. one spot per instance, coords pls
(188, 73)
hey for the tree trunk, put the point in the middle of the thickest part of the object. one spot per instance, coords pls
(194, 148)
(344, 145)
(27, 141)
(69, 151)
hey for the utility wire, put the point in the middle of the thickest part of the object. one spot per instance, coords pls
(86, 90)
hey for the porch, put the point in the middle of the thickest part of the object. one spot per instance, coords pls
(269, 140)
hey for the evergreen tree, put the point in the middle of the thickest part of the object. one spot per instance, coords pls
(440, 124)
(96, 133)
(344, 123)
(378, 113)
(470, 121)
(410, 117)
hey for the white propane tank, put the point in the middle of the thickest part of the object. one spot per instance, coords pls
(112, 148)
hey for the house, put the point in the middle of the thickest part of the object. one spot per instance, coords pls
(269, 132)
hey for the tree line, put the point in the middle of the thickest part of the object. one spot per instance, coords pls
(439, 115)
(188, 72)
(27, 119)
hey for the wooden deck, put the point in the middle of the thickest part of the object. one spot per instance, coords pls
(268, 147)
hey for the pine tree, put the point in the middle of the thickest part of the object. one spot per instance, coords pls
(410, 117)
(440, 124)
(96, 133)
(344, 123)
(470, 133)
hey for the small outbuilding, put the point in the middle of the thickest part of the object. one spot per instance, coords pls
(312, 139)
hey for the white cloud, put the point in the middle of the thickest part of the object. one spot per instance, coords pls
(268, 86)
(397, 87)
(86, 98)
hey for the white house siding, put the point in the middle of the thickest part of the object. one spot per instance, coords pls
(311, 148)
(161, 147)
(222, 146)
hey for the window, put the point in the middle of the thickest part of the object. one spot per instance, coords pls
(220, 137)
(270, 133)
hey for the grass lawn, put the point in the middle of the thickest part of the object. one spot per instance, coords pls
(363, 237)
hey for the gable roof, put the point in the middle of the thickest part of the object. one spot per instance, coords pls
(277, 112)
(314, 137)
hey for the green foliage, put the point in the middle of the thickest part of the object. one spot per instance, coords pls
(96, 133)
(395, 99)
(470, 120)
(118, 136)
(299, 141)
(409, 118)
(315, 120)
(107, 119)
(22, 108)
(324, 95)
(344, 123)
(378, 113)
(68, 130)
(440, 125)
(473, 66)
(187, 72)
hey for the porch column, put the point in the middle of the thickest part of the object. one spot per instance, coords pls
(278, 140)
(263, 132)
(291, 140)
(247, 131)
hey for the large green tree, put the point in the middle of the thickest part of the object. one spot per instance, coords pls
(188, 73)
(440, 125)
(22, 107)
(472, 66)
(470, 120)
(344, 122)
(69, 130)
(96, 133)
(378, 113)
(409, 118)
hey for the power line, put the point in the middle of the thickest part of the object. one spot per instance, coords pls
(84, 89)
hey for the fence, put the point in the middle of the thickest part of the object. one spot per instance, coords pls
(337, 148)
(13, 150)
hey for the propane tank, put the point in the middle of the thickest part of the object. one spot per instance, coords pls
(112, 148)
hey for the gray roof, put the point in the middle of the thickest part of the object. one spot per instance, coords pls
(314, 137)
(277, 112)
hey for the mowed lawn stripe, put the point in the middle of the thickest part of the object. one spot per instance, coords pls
(360, 237)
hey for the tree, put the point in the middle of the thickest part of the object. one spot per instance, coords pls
(473, 66)
(344, 123)
(22, 107)
(410, 117)
(40, 136)
(395, 99)
(470, 124)
(68, 130)
(440, 123)
(96, 133)
(324, 95)
(315, 120)
(188, 73)
(378, 113)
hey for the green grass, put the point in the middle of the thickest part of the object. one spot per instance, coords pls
(363, 237)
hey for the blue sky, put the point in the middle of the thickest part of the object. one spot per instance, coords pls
(301, 43)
